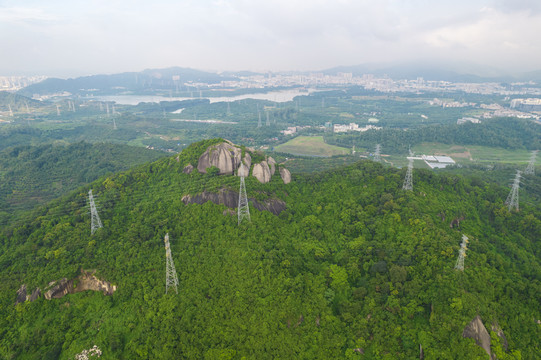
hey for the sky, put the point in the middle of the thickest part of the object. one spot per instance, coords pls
(75, 37)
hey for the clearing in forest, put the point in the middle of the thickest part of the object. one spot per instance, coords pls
(311, 146)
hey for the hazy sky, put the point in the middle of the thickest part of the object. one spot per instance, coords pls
(75, 37)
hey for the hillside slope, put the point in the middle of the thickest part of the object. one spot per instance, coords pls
(354, 268)
(33, 175)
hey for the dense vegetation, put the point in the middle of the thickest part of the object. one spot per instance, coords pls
(353, 263)
(32, 175)
(509, 133)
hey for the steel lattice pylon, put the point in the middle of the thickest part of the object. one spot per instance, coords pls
(377, 153)
(512, 198)
(408, 181)
(462, 253)
(530, 169)
(95, 222)
(171, 279)
(243, 208)
(259, 120)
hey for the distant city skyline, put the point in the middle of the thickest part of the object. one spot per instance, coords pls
(66, 39)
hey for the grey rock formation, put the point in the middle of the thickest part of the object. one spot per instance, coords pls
(243, 170)
(230, 199)
(21, 294)
(188, 169)
(498, 330)
(286, 175)
(85, 281)
(477, 331)
(247, 160)
(224, 156)
(59, 289)
(35, 295)
(272, 165)
(262, 172)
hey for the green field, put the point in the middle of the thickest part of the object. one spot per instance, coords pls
(311, 146)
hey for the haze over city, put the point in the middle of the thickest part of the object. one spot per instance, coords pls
(63, 38)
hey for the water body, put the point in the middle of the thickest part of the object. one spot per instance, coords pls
(276, 96)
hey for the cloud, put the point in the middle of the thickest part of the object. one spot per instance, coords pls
(25, 15)
(117, 35)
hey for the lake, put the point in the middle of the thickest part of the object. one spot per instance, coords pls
(276, 96)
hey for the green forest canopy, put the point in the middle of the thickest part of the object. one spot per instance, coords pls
(353, 263)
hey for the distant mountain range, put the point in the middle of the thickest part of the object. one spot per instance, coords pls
(148, 80)
(451, 72)
(173, 79)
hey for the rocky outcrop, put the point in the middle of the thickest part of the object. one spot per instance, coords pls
(225, 197)
(85, 281)
(231, 198)
(35, 295)
(498, 330)
(262, 172)
(272, 165)
(60, 288)
(244, 170)
(21, 294)
(286, 175)
(188, 169)
(456, 222)
(477, 331)
(224, 156)
(247, 160)
(275, 206)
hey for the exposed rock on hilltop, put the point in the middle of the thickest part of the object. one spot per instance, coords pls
(272, 165)
(262, 172)
(228, 158)
(286, 175)
(224, 156)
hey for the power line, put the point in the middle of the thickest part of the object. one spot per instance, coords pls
(408, 181)
(95, 222)
(171, 279)
(462, 253)
(530, 169)
(512, 198)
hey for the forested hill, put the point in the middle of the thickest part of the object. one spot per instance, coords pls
(147, 80)
(32, 175)
(354, 268)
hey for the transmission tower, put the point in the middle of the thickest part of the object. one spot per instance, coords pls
(408, 181)
(171, 279)
(95, 222)
(57, 110)
(512, 198)
(268, 120)
(10, 111)
(243, 209)
(530, 169)
(377, 153)
(462, 253)
(259, 121)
